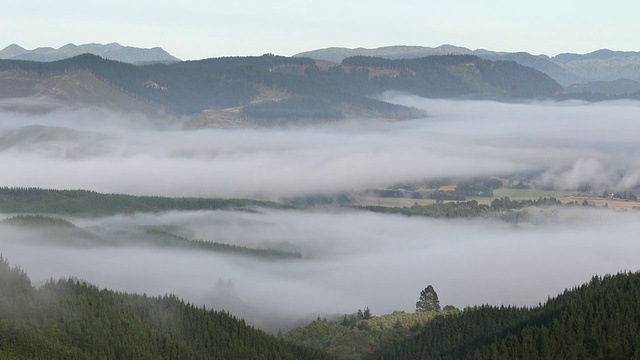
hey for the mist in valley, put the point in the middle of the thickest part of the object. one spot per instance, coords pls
(564, 145)
(350, 259)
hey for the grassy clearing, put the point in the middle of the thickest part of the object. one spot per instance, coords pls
(388, 201)
(528, 194)
(513, 194)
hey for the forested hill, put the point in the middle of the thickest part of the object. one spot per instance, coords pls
(70, 319)
(281, 88)
(598, 320)
(84, 202)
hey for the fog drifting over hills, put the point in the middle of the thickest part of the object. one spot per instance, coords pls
(568, 144)
(350, 260)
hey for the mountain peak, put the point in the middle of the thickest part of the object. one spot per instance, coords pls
(11, 51)
(112, 51)
(14, 47)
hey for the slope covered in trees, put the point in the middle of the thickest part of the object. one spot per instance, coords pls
(70, 319)
(599, 319)
(191, 87)
(83, 202)
(49, 230)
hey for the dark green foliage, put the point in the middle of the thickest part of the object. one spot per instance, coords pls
(290, 110)
(82, 202)
(308, 201)
(70, 319)
(38, 221)
(447, 195)
(366, 315)
(394, 193)
(478, 187)
(53, 230)
(458, 75)
(507, 204)
(428, 300)
(597, 320)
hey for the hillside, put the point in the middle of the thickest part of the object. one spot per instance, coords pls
(273, 89)
(567, 69)
(48, 231)
(596, 320)
(609, 88)
(75, 86)
(113, 51)
(91, 203)
(351, 338)
(607, 69)
(552, 69)
(70, 319)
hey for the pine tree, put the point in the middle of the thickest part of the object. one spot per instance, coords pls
(428, 300)
(367, 314)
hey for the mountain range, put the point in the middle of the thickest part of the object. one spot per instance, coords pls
(567, 69)
(269, 89)
(113, 51)
(320, 85)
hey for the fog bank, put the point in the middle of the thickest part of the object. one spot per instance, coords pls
(568, 144)
(350, 260)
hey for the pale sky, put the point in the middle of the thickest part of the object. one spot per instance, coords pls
(196, 29)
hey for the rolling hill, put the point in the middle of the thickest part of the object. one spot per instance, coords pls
(567, 69)
(273, 89)
(70, 319)
(598, 320)
(545, 65)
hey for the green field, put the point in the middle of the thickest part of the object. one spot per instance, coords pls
(513, 194)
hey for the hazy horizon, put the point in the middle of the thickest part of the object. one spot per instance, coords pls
(302, 50)
(286, 28)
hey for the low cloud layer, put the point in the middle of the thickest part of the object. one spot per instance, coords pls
(567, 144)
(351, 260)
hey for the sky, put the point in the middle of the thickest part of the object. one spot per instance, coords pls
(196, 29)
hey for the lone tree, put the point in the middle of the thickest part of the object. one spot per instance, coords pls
(367, 314)
(428, 300)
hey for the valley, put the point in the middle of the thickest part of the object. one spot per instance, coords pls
(272, 207)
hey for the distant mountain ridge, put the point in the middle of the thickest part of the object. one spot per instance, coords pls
(602, 54)
(113, 51)
(545, 65)
(567, 69)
